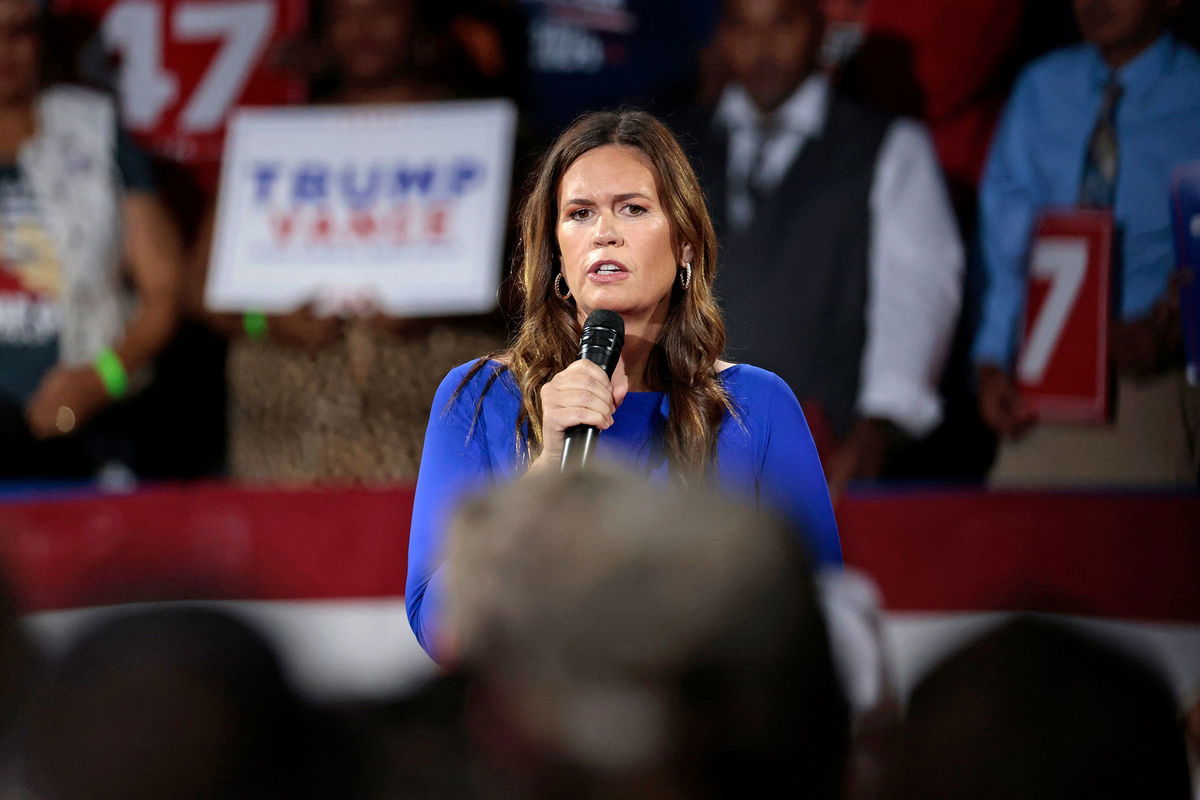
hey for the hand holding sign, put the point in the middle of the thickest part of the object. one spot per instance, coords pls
(305, 329)
(1185, 218)
(1000, 404)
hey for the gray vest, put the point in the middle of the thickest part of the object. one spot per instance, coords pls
(793, 284)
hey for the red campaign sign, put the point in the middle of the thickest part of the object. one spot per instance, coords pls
(185, 64)
(1062, 367)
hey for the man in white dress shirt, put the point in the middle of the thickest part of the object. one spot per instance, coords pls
(841, 266)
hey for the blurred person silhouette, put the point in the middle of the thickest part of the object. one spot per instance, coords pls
(950, 65)
(636, 640)
(372, 51)
(1100, 124)
(317, 396)
(1034, 709)
(21, 667)
(184, 703)
(417, 745)
(585, 55)
(842, 264)
(1191, 722)
(492, 34)
(89, 264)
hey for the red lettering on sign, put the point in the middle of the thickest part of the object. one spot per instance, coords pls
(435, 223)
(282, 226)
(363, 224)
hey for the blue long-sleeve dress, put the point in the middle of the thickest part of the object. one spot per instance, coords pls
(766, 456)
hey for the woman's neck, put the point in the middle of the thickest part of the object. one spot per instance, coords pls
(16, 125)
(396, 91)
(636, 355)
(640, 337)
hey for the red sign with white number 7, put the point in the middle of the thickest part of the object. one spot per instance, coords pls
(1062, 365)
(184, 65)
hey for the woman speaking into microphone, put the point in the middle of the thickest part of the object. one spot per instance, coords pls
(615, 221)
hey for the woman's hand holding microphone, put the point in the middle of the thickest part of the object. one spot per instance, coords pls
(581, 394)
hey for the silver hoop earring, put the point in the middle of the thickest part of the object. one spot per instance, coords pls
(685, 277)
(558, 280)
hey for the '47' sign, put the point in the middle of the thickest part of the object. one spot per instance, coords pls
(1062, 367)
(183, 65)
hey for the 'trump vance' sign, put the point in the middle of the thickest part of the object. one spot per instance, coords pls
(402, 205)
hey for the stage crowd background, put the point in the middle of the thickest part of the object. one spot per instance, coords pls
(265, 466)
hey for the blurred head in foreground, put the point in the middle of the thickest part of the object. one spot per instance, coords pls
(20, 669)
(189, 704)
(1037, 710)
(637, 640)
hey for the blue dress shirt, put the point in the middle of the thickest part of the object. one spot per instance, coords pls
(767, 457)
(1037, 160)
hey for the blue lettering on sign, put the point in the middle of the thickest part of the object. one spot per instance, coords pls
(360, 195)
(361, 186)
(265, 174)
(311, 183)
(405, 178)
(466, 172)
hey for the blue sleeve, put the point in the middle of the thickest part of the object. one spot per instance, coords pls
(1008, 205)
(453, 462)
(791, 478)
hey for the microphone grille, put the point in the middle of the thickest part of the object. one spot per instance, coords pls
(603, 318)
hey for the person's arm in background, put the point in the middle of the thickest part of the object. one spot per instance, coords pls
(300, 328)
(791, 480)
(454, 461)
(1152, 343)
(153, 260)
(1008, 207)
(916, 267)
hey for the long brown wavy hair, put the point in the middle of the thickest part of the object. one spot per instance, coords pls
(683, 361)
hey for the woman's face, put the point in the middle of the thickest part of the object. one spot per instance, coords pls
(369, 38)
(18, 50)
(615, 237)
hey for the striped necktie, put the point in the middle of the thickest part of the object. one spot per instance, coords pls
(750, 185)
(1099, 183)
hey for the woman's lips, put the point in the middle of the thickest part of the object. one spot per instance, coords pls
(607, 277)
(607, 271)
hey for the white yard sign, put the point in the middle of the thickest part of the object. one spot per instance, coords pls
(402, 206)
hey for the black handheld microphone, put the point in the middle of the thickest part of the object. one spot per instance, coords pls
(601, 342)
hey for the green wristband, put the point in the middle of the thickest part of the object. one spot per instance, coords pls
(112, 373)
(255, 324)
